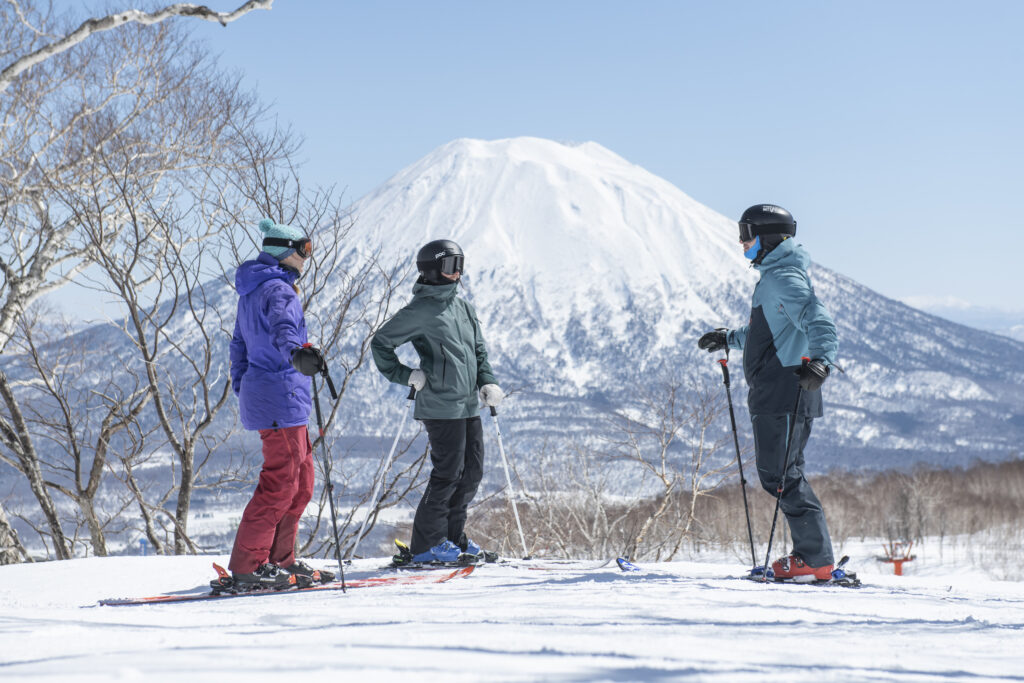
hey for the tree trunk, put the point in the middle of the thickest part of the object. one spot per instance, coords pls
(21, 442)
(96, 535)
(147, 516)
(11, 550)
(181, 540)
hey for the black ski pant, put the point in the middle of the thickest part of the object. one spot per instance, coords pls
(457, 456)
(802, 508)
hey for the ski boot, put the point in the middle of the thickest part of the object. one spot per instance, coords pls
(793, 568)
(442, 553)
(300, 568)
(265, 577)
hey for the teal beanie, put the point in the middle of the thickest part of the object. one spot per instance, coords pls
(271, 229)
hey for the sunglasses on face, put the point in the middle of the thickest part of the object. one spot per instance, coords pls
(302, 247)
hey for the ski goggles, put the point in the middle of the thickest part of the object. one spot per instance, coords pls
(449, 265)
(302, 247)
(750, 231)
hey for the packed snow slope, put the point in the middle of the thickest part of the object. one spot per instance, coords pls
(674, 621)
(593, 279)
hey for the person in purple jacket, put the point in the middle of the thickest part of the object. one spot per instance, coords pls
(271, 361)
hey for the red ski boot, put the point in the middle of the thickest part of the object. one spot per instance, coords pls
(793, 568)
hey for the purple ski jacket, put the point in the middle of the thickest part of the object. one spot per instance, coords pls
(269, 326)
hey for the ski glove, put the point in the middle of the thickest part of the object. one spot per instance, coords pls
(492, 395)
(714, 341)
(308, 360)
(812, 375)
(418, 380)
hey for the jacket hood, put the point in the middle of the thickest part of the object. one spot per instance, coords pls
(252, 274)
(789, 253)
(442, 293)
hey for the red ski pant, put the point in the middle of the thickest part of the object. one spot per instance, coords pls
(271, 519)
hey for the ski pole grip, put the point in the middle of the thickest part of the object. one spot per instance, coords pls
(724, 362)
(412, 393)
(494, 411)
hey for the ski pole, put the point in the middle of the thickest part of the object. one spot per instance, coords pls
(508, 480)
(724, 362)
(782, 481)
(327, 474)
(379, 480)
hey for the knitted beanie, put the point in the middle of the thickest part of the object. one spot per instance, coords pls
(271, 229)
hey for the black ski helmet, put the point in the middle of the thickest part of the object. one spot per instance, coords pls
(766, 219)
(439, 256)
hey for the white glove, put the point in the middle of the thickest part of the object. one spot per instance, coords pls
(418, 380)
(492, 395)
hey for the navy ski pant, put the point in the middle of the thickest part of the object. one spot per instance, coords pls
(457, 456)
(802, 509)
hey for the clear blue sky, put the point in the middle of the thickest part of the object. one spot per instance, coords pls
(894, 131)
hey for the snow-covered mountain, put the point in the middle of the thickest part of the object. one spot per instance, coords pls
(594, 277)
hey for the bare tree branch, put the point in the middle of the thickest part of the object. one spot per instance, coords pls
(112, 21)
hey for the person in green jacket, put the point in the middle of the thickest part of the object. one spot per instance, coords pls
(445, 333)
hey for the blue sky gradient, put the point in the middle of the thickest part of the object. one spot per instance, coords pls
(892, 130)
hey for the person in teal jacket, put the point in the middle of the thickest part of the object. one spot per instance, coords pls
(445, 333)
(787, 323)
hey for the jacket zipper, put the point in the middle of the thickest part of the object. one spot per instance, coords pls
(444, 365)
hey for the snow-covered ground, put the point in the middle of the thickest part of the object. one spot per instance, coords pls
(674, 621)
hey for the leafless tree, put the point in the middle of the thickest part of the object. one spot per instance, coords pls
(64, 98)
(11, 549)
(75, 424)
(639, 490)
(671, 434)
(30, 18)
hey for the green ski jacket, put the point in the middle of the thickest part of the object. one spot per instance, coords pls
(446, 334)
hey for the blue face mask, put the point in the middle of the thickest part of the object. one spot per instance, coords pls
(754, 248)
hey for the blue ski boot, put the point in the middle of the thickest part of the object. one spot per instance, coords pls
(445, 551)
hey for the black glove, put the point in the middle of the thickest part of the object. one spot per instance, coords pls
(713, 341)
(812, 375)
(308, 360)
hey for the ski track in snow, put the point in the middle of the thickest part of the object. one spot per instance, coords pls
(674, 621)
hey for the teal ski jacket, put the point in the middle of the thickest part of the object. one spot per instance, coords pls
(787, 323)
(445, 332)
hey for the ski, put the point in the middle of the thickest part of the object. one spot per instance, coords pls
(840, 577)
(403, 561)
(626, 566)
(558, 565)
(373, 581)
